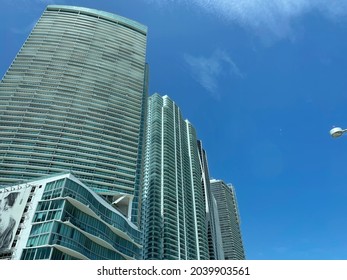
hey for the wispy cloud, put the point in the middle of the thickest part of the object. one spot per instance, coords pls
(274, 17)
(208, 70)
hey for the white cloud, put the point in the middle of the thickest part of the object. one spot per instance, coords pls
(274, 17)
(208, 70)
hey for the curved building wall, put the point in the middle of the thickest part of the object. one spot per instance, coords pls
(229, 219)
(73, 99)
(173, 202)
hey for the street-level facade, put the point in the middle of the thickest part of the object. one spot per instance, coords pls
(58, 217)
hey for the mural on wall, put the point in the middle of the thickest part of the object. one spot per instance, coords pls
(12, 204)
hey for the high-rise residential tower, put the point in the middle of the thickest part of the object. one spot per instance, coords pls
(229, 219)
(74, 99)
(173, 199)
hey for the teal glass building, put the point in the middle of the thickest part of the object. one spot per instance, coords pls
(58, 217)
(173, 199)
(74, 99)
(229, 220)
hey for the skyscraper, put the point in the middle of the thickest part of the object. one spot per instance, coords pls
(229, 220)
(74, 99)
(173, 198)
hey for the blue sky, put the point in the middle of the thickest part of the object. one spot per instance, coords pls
(263, 82)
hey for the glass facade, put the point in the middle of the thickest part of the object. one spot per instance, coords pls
(72, 222)
(229, 220)
(173, 200)
(74, 99)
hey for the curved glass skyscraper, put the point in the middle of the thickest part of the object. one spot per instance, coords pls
(229, 219)
(173, 196)
(74, 99)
